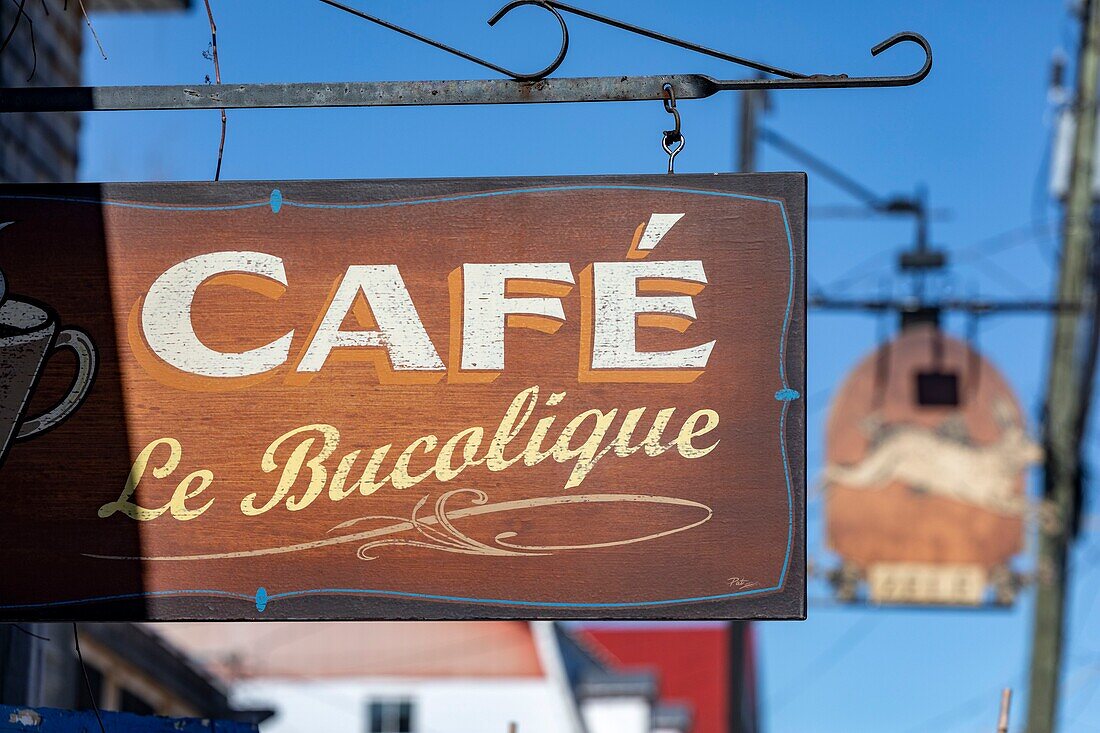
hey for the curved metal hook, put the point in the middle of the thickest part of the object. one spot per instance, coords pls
(518, 76)
(553, 66)
(904, 36)
(889, 80)
(837, 81)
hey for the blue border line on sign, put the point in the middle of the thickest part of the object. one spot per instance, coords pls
(786, 394)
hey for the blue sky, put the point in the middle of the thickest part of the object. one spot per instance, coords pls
(976, 132)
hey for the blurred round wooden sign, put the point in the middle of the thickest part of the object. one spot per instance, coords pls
(926, 454)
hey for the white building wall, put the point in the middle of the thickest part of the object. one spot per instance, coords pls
(617, 715)
(475, 705)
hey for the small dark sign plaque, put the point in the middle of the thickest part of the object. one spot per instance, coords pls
(481, 398)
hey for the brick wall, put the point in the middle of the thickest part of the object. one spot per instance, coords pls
(40, 147)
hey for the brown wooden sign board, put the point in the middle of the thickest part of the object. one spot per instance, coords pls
(471, 398)
(927, 452)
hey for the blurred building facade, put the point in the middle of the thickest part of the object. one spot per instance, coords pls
(44, 49)
(472, 677)
(388, 677)
(126, 669)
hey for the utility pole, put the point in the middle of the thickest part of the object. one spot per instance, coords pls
(750, 104)
(1068, 377)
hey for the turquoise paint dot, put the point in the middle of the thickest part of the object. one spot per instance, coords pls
(787, 394)
(261, 599)
(276, 200)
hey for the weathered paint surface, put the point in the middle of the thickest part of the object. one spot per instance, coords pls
(395, 399)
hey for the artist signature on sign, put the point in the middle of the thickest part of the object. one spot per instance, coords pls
(741, 583)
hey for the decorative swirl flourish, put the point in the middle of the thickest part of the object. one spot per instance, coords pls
(438, 531)
(451, 539)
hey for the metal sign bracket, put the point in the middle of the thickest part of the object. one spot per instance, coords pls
(520, 88)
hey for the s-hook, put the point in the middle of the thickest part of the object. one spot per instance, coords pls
(672, 140)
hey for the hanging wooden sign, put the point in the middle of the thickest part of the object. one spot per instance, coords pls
(927, 451)
(570, 397)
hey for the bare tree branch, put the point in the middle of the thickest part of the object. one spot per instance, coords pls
(19, 16)
(217, 80)
(92, 29)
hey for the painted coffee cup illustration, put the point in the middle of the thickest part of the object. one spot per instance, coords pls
(29, 336)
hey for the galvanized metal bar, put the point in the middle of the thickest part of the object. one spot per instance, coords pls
(397, 93)
(425, 93)
(351, 94)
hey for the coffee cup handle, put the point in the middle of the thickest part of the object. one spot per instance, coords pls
(80, 343)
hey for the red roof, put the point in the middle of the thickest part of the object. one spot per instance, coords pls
(691, 661)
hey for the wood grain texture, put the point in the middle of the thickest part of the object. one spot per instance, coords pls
(94, 262)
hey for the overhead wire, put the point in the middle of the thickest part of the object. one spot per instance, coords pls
(979, 251)
(825, 661)
(87, 680)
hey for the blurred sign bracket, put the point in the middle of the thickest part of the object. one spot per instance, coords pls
(926, 583)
